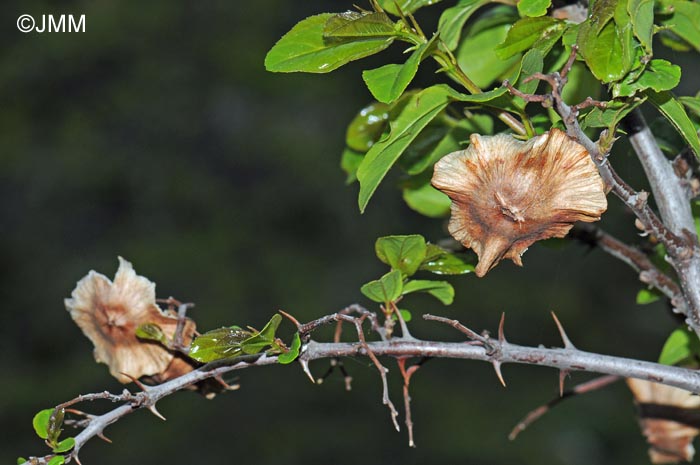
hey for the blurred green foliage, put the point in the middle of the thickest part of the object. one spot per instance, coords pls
(157, 135)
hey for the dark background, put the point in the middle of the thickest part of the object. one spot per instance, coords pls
(157, 135)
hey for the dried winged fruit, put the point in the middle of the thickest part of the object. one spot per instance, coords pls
(109, 312)
(668, 417)
(506, 194)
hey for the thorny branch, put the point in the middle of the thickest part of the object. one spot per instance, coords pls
(681, 242)
(479, 347)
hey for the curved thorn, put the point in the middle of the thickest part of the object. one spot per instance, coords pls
(77, 460)
(104, 438)
(305, 366)
(141, 386)
(501, 335)
(562, 376)
(567, 342)
(155, 412)
(497, 369)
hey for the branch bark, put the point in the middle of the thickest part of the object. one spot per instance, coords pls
(494, 351)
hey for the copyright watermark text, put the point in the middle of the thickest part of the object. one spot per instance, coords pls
(51, 23)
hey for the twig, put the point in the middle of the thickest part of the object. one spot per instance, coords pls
(681, 244)
(562, 359)
(582, 388)
(635, 258)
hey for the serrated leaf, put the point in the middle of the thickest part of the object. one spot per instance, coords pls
(57, 460)
(386, 289)
(659, 75)
(359, 24)
(682, 19)
(532, 63)
(420, 109)
(289, 357)
(303, 49)
(403, 253)
(647, 296)
(427, 200)
(441, 290)
(533, 7)
(527, 32)
(40, 422)
(642, 17)
(218, 344)
(151, 332)
(407, 6)
(64, 446)
(680, 345)
(388, 82)
(452, 21)
(676, 115)
(442, 262)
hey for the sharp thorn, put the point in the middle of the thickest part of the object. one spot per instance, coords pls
(501, 335)
(305, 366)
(290, 318)
(104, 438)
(155, 412)
(567, 342)
(562, 376)
(141, 386)
(77, 460)
(497, 369)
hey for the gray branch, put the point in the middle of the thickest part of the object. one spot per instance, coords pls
(494, 351)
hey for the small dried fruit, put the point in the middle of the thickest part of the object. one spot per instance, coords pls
(109, 312)
(507, 194)
(668, 418)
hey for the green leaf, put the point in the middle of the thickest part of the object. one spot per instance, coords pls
(304, 48)
(359, 24)
(57, 460)
(367, 127)
(350, 160)
(152, 332)
(419, 110)
(403, 253)
(405, 314)
(612, 114)
(659, 75)
(676, 115)
(218, 344)
(41, 423)
(476, 54)
(683, 20)
(608, 47)
(437, 140)
(21, 460)
(642, 17)
(532, 63)
(647, 296)
(453, 19)
(386, 289)
(259, 341)
(293, 353)
(427, 200)
(442, 262)
(533, 7)
(388, 82)
(691, 103)
(527, 32)
(407, 6)
(682, 344)
(64, 446)
(441, 290)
